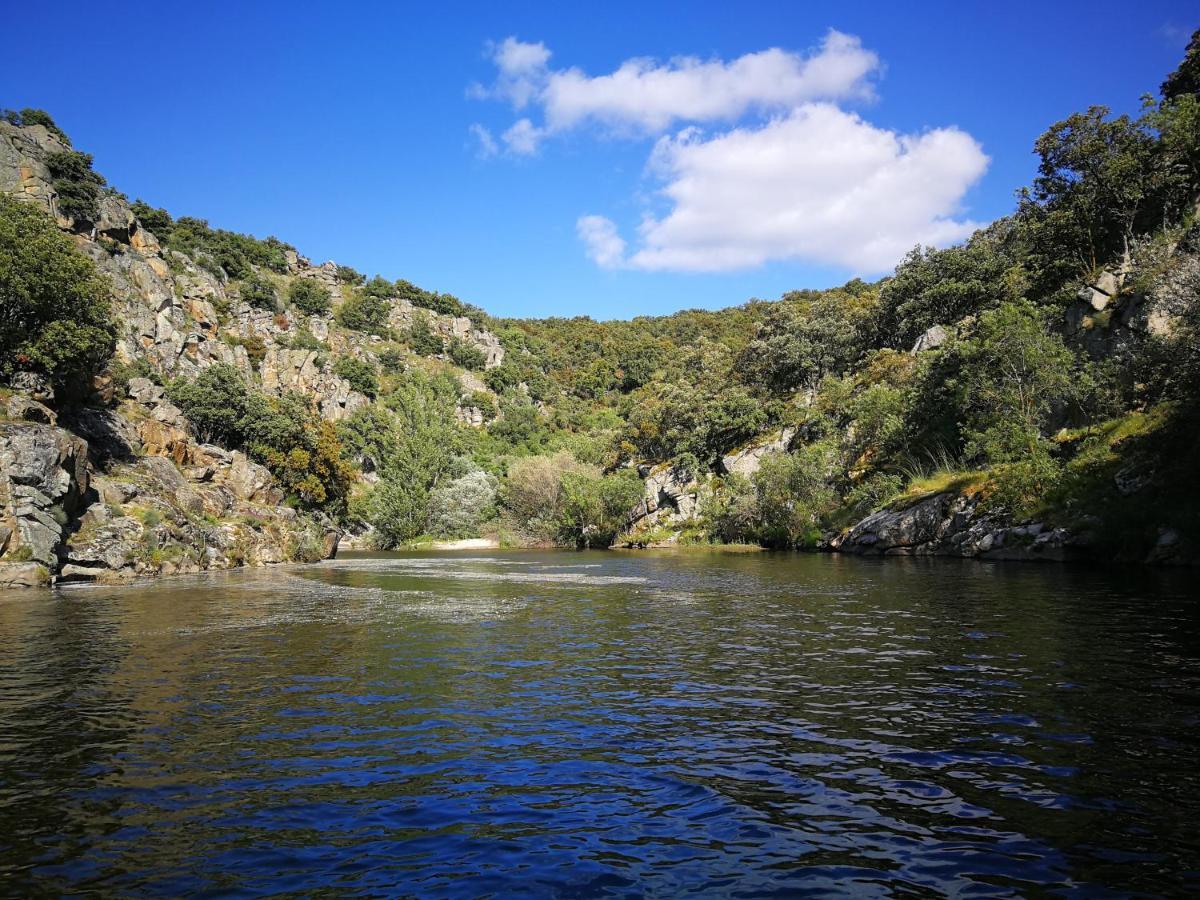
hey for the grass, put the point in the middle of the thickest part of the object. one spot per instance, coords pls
(942, 481)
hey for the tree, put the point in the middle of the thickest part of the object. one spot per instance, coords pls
(1185, 79)
(466, 355)
(55, 315)
(456, 508)
(941, 287)
(792, 491)
(27, 117)
(308, 296)
(1013, 372)
(1092, 193)
(421, 338)
(595, 508)
(365, 311)
(801, 340)
(77, 186)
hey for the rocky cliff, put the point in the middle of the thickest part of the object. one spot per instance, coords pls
(121, 486)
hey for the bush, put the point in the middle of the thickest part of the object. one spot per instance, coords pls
(259, 292)
(466, 355)
(348, 275)
(224, 253)
(302, 450)
(55, 314)
(360, 374)
(77, 186)
(594, 509)
(392, 359)
(309, 297)
(421, 338)
(457, 508)
(365, 312)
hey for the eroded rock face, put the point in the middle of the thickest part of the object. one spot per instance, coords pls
(747, 460)
(43, 480)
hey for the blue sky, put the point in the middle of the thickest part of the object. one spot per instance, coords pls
(353, 131)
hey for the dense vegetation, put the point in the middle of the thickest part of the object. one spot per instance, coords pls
(55, 316)
(980, 366)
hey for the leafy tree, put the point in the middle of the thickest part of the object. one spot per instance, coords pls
(1093, 191)
(801, 340)
(458, 507)
(412, 444)
(55, 315)
(365, 311)
(532, 494)
(77, 186)
(941, 287)
(302, 450)
(792, 492)
(349, 275)
(1013, 372)
(1185, 79)
(308, 296)
(595, 508)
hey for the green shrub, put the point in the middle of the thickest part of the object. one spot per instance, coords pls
(365, 312)
(422, 339)
(302, 450)
(392, 359)
(360, 373)
(466, 355)
(308, 296)
(55, 314)
(259, 292)
(348, 275)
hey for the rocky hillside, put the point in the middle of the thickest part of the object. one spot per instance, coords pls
(119, 483)
(176, 397)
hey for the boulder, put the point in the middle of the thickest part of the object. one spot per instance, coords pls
(747, 460)
(23, 575)
(931, 339)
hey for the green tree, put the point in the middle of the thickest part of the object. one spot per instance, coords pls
(55, 315)
(77, 186)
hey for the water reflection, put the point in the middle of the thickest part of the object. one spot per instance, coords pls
(605, 724)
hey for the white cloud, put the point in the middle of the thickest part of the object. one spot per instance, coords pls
(818, 184)
(521, 72)
(605, 246)
(485, 144)
(522, 138)
(644, 96)
(790, 175)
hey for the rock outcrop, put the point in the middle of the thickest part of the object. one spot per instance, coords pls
(43, 482)
(951, 524)
(746, 461)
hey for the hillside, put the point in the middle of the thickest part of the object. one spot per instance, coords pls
(179, 398)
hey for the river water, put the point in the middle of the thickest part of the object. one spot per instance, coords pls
(606, 724)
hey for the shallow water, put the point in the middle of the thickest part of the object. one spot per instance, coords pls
(606, 724)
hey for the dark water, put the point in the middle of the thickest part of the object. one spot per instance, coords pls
(599, 724)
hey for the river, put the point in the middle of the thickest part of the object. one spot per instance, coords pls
(605, 724)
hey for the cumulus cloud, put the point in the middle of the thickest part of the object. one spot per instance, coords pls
(644, 96)
(819, 185)
(605, 247)
(649, 97)
(788, 175)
